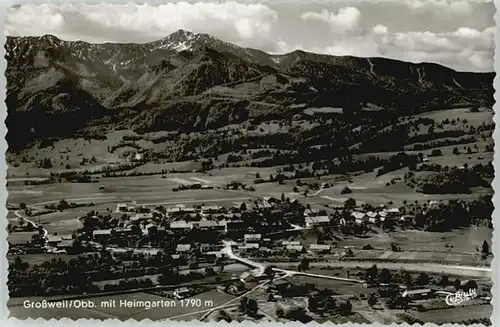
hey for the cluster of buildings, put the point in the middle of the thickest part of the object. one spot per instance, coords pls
(59, 243)
(255, 243)
(378, 216)
(359, 216)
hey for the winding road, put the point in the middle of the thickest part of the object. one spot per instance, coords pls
(18, 214)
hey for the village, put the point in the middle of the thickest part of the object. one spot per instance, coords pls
(268, 237)
(259, 226)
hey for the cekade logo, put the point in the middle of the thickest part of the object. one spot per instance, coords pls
(460, 297)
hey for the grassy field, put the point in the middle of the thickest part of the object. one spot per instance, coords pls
(455, 314)
(33, 259)
(20, 237)
(463, 240)
(473, 118)
(340, 287)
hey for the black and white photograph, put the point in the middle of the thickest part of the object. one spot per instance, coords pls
(264, 161)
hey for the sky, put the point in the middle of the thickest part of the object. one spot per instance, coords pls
(458, 34)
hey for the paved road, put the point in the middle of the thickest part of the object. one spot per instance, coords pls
(261, 267)
(228, 250)
(459, 270)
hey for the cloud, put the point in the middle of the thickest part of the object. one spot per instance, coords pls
(460, 49)
(345, 20)
(127, 23)
(380, 29)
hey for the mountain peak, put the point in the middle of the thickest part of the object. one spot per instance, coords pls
(180, 40)
(180, 35)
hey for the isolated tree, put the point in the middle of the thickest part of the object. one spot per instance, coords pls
(223, 315)
(346, 190)
(445, 281)
(345, 308)
(280, 313)
(436, 153)
(243, 207)
(269, 271)
(372, 300)
(219, 262)
(456, 151)
(407, 280)
(243, 304)
(423, 279)
(371, 273)
(312, 304)
(252, 307)
(385, 276)
(303, 265)
(485, 249)
(350, 203)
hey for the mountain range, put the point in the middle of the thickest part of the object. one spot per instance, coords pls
(189, 82)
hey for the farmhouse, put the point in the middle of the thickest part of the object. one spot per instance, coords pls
(372, 217)
(101, 235)
(320, 248)
(176, 211)
(141, 217)
(121, 207)
(313, 212)
(122, 230)
(295, 248)
(287, 306)
(248, 247)
(270, 199)
(383, 215)
(183, 248)
(65, 244)
(150, 228)
(417, 294)
(265, 205)
(208, 225)
(252, 238)
(157, 214)
(138, 157)
(467, 285)
(181, 225)
(285, 243)
(317, 221)
(54, 240)
(393, 213)
(360, 217)
(210, 209)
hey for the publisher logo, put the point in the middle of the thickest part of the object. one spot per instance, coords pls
(460, 297)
